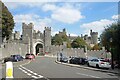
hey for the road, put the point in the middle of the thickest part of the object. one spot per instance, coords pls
(45, 67)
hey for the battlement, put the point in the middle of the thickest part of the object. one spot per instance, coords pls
(30, 25)
(94, 33)
(48, 28)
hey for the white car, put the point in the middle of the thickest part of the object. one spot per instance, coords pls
(99, 63)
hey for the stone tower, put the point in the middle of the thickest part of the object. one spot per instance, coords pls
(94, 37)
(47, 39)
(27, 31)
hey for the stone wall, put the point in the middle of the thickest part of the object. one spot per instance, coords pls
(13, 48)
(78, 52)
(99, 54)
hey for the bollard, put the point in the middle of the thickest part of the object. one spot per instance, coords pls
(9, 70)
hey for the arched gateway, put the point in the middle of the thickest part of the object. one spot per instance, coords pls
(35, 40)
(38, 47)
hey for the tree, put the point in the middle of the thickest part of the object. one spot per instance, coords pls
(112, 32)
(96, 47)
(7, 21)
(68, 44)
(57, 40)
(78, 43)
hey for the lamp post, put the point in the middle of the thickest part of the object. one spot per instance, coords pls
(112, 63)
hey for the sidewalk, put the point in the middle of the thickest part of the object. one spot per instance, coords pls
(115, 71)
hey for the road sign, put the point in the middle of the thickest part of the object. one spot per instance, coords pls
(9, 70)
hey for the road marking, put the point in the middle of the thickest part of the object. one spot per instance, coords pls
(88, 75)
(34, 77)
(30, 73)
(35, 73)
(40, 76)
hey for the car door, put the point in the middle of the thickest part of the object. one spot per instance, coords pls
(95, 62)
(91, 62)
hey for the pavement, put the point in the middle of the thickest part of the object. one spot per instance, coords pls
(115, 71)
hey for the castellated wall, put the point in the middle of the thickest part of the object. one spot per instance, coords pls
(78, 52)
(13, 48)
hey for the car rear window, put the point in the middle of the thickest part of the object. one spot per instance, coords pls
(104, 60)
(27, 54)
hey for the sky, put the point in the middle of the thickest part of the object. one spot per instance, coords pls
(76, 17)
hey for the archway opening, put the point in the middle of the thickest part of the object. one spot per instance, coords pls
(39, 49)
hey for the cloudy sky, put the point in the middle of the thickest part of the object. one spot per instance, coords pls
(77, 17)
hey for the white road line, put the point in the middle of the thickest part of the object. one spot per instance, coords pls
(30, 73)
(88, 75)
(40, 76)
(35, 73)
(34, 77)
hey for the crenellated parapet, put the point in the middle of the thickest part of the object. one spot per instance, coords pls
(48, 28)
(30, 25)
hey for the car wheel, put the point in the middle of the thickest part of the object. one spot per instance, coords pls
(17, 60)
(88, 64)
(97, 65)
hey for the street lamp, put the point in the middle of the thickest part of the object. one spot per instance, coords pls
(112, 63)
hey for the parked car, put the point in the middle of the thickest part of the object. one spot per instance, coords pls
(16, 58)
(7, 59)
(99, 63)
(64, 59)
(13, 58)
(29, 56)
(77, 60)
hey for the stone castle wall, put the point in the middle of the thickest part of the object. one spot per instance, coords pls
(13, 48)
(78, 52)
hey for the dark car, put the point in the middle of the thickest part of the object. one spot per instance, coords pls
(16, 58)
(29, 56)
(7, 59)
(77, 60)
(13, 58)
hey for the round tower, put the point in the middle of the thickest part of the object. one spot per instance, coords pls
(94, 37)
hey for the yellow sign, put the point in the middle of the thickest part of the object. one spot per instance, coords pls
(9, 73)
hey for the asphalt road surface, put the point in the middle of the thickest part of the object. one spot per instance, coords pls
(46, 68)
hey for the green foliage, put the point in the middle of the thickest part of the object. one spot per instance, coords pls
(68, 44)
(78, 43)
(7, 21)
(57, 40)
(112, 32)
(96, 47)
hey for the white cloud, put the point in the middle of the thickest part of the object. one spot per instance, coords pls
(31, 0)
(54, 32)
(15, 5)
(115, 17)
(97, 26)
(66, 13)
(72, 34)
(48, 7)
(38, 22)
